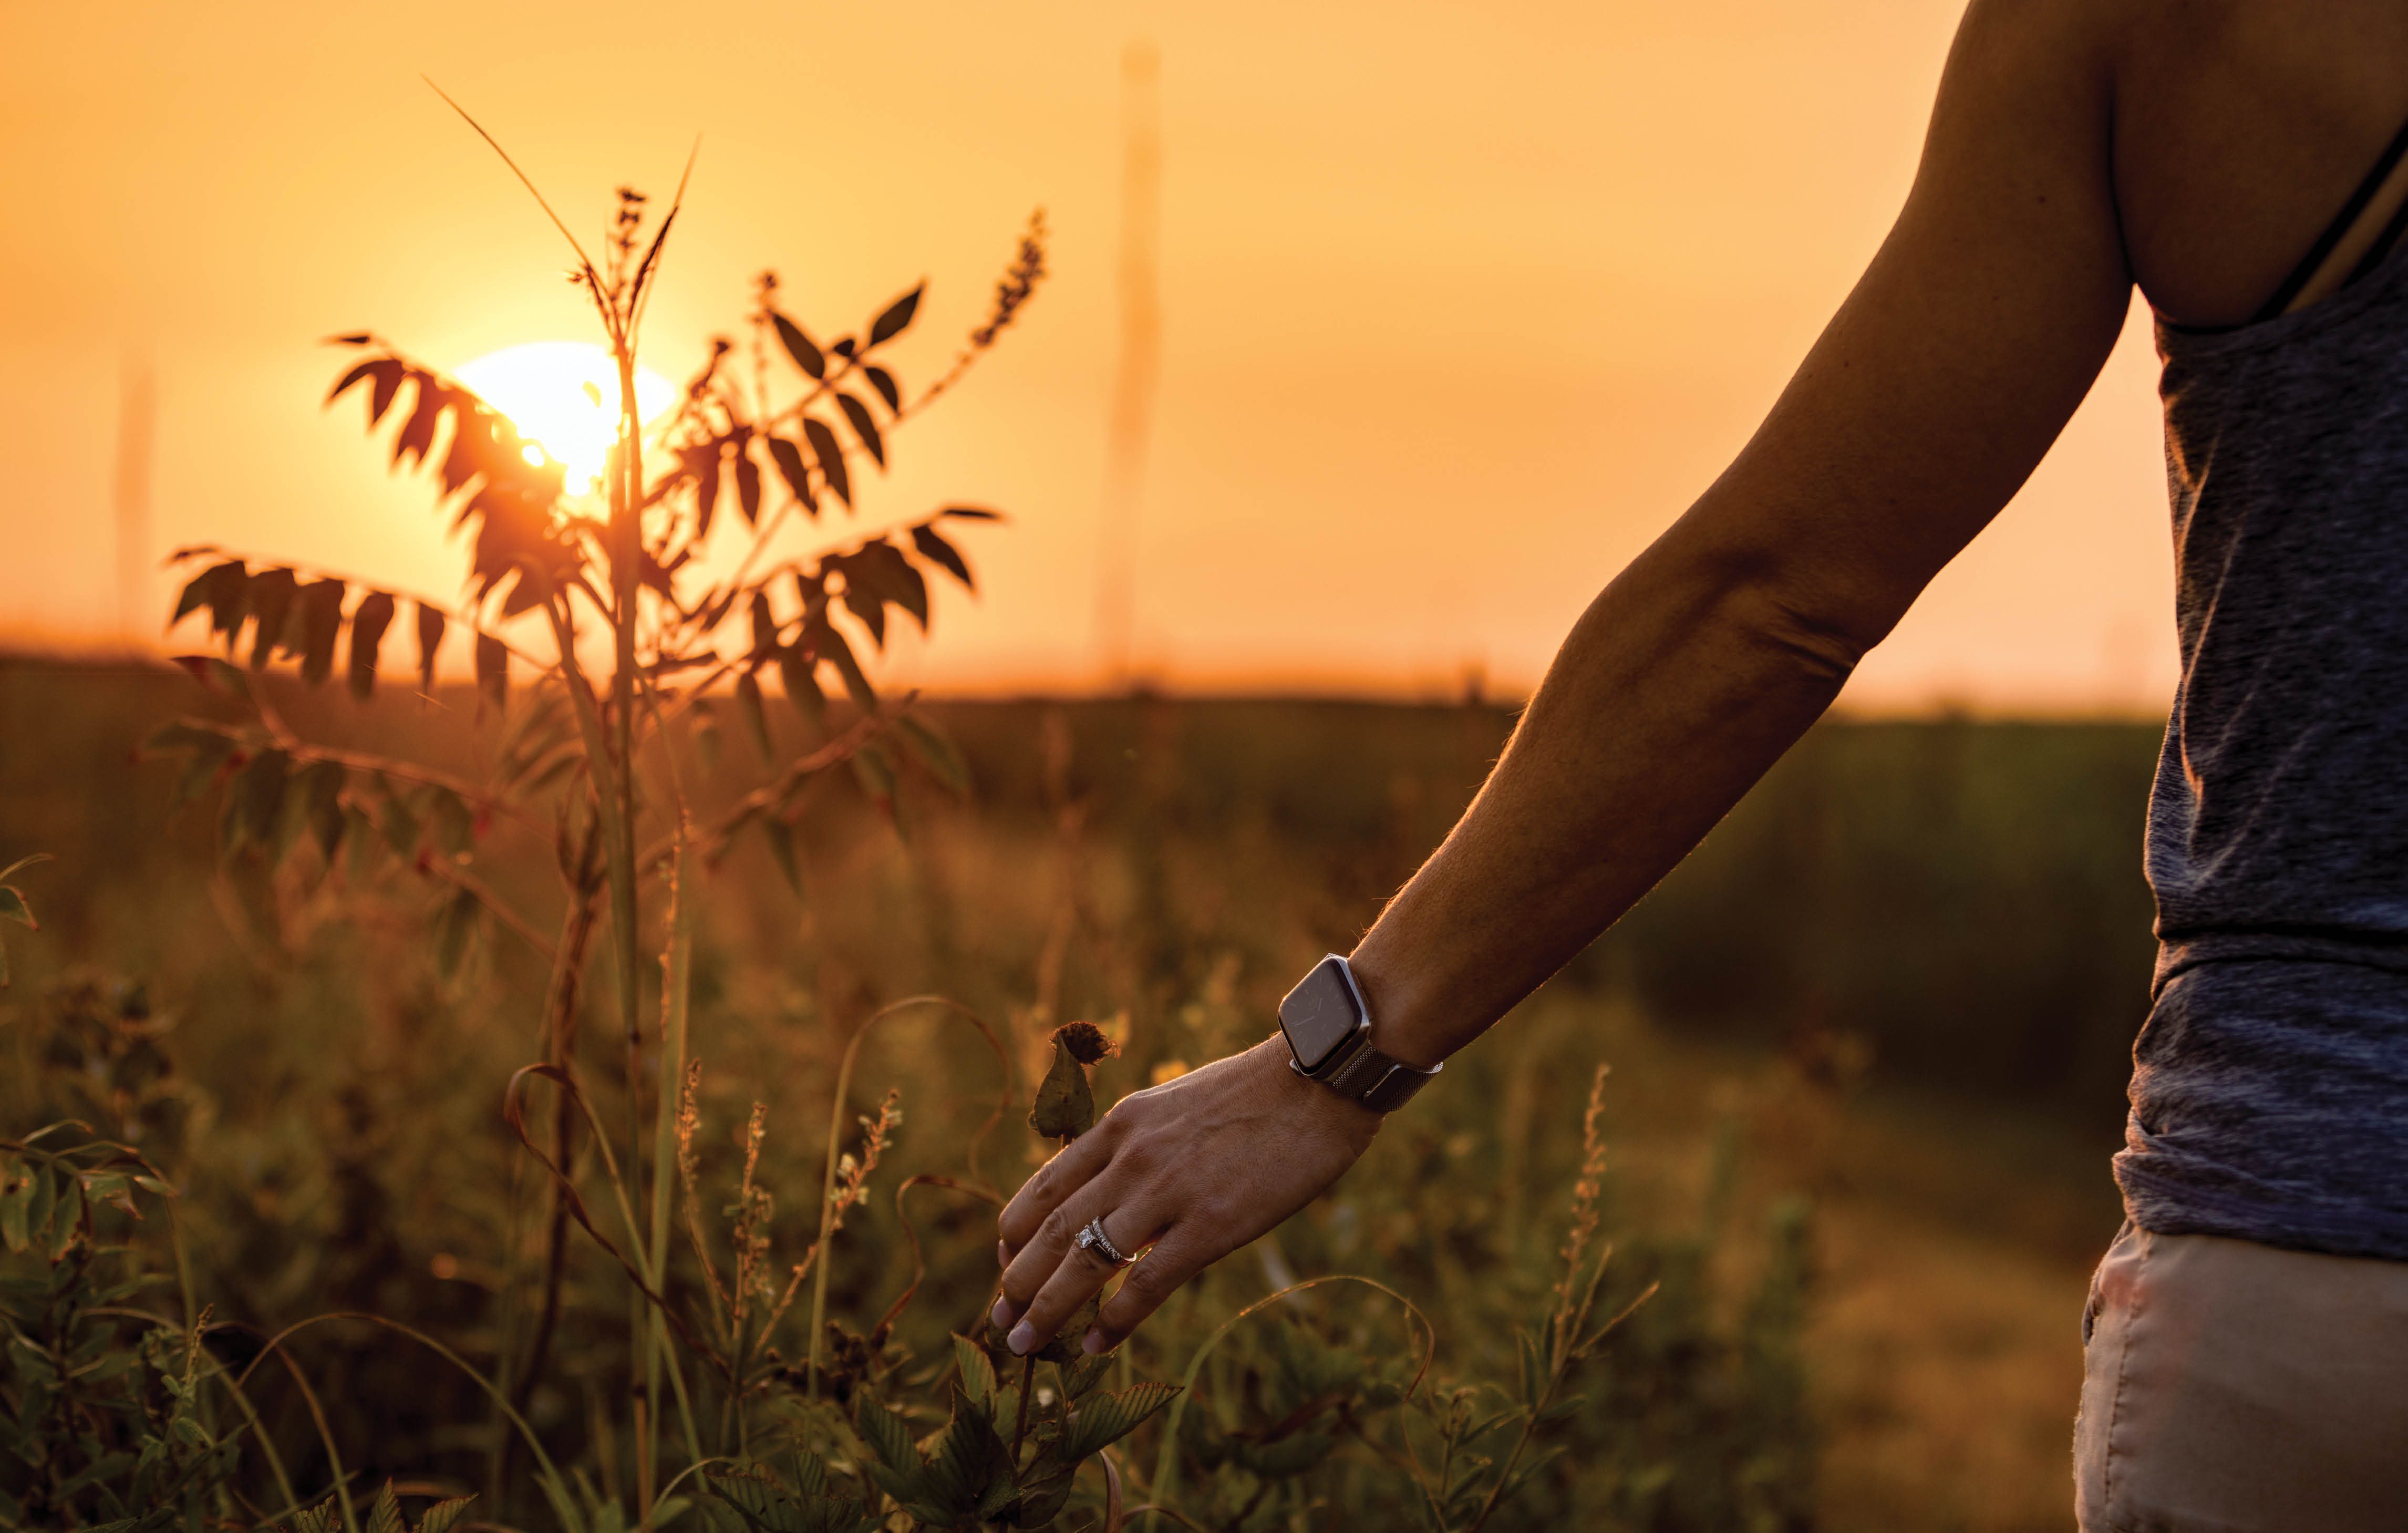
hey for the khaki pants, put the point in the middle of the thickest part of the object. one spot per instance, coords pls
(2232, 1388)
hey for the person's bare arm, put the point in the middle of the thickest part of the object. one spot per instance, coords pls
(1970, 338)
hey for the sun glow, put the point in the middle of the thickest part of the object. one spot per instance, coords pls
(565, 395)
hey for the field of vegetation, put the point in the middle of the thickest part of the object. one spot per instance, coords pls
(1865, 1050)
(582, 1098)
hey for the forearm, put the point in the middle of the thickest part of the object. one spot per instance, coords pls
(1681, 683)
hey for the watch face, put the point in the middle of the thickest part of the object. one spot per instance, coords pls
(1319, 1014)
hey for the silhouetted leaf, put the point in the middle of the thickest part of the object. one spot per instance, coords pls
(748, 483)
(831, 458)
(789, 458)
(831, 646)
(319, 788)
(361, 338)
(219, 588)
(320, 612)
(863, 426)
(253, 800)
(454, 929)
(493, 671)
(454, 823)
(703, 461)
(417, 436)
(781, 838)
(207, 749)
(748, 702)
(971, 513)
(937, 752)
(430, 638)
(883, 382)
(794, 669)
(875, 771)
(897, 317)
(934, 548)
(270, 600)
(864, 602)
(883, 568)
(799, 346)
(368, 623)
(765, 627)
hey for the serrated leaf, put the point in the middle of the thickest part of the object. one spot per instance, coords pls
(799, 346)
(897, 317)
(1108, 1418)
(442, 1515)
(863, 425)
(890, 1440)
(977, 1369)
(830, 455)
(384, 1515)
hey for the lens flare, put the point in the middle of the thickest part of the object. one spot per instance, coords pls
(565, 395)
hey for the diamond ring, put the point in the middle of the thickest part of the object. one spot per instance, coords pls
(1094, 1242)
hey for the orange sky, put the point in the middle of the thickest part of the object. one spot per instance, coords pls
(1462, 302)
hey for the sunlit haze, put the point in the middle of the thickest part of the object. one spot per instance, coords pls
(564, 395)
(1460, 305)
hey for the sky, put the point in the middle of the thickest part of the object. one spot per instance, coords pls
(1461, 303)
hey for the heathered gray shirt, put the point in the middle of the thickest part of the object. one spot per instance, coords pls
(2270, 1090)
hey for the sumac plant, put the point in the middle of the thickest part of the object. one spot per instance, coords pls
(722, 546)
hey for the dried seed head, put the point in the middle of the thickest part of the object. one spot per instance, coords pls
(1086, 1042)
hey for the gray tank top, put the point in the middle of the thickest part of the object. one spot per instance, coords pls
(2270, 1087)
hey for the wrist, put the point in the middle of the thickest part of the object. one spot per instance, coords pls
(1402, 1025)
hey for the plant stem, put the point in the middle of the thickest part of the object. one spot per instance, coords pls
(676, 986)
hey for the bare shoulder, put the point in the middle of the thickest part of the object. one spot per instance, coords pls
(2241, 126)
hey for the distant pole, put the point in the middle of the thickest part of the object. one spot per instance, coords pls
(137, 418)
(1140, 348)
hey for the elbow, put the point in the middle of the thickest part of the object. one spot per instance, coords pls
(1816, 630)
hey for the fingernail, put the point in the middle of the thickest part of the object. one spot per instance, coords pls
(1093, 1343)
(1001, 1315)
(1023, 1339)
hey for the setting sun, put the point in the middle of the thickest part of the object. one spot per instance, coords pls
(565, 395)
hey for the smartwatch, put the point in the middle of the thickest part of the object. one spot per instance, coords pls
(1328, 1032)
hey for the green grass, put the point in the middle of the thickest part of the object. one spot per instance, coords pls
(1964, 899)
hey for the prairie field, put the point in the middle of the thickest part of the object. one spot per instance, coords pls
(1865, 1057)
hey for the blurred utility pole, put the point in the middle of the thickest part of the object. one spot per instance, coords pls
(138, 419)
(1133, 383)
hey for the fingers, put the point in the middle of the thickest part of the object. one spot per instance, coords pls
(1164, 1271)
(1065, 1282)
(1078, 1277)
(1058, 1178)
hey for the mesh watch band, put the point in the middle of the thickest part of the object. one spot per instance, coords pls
(1371, 1078)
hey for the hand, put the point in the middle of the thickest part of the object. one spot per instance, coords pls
(1194, 1168)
